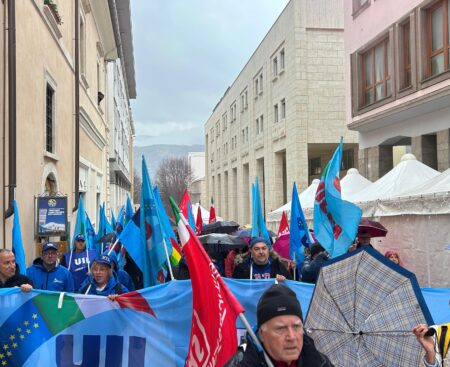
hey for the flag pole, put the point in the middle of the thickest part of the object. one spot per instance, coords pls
(255, 338)
(112, 247)
(167, 256)
(70, 259)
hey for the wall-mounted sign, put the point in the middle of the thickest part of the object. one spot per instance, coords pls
(51, 215)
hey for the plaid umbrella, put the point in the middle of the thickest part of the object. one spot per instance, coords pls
(363, 310)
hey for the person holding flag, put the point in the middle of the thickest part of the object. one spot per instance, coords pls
(78, 260)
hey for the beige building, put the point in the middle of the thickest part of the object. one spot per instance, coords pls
(61, 141)
(398, 81)
(283, 116)
(197, 188)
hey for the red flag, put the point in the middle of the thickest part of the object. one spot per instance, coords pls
(212, 212)
(213, 332)
(199, 220)
(284, 226)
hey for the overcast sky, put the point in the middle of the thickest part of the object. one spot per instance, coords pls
(187, 52)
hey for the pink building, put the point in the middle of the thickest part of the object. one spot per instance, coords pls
(398, 80)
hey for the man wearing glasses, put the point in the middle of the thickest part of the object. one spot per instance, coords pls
(47, 274)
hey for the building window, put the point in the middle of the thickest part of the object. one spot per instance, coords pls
(283, 109)
(49, 119)
(275, 66)
(376, 76)
(260, 83)
(261, 123)
(359, 6)
(315, 167)
(256, 87)
(348, 159)
(224, 121)
(246, 134)
(282, 60)
(212, 134)
(257, 126)
(406, 57)
(438, 47)
(246, 99)
(275, 113)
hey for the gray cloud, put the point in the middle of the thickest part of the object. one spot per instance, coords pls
(186, 54)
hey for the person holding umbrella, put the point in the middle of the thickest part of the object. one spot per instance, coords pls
(428, 344)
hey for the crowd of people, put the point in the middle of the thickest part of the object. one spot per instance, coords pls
(280, 340)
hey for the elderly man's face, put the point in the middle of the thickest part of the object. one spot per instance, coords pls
(260, 253)
(101, 273)
(282, 337)
(7, 265)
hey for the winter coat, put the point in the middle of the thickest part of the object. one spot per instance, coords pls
(311, 268)
(16, 280)
(251, 357)
(112, 287)
(57, 279)
(243, 263)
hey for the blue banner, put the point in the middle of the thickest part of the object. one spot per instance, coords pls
(35, 329)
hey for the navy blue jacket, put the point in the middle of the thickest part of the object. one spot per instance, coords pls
(57, 279)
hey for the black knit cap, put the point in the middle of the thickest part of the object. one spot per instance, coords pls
(277, 300)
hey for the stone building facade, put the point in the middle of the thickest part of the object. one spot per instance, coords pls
(45, 107)
(283, 116)
(398, 81)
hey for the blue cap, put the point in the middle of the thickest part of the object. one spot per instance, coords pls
(255, 240)
(103, 259)
(49, 246)
(80, 237)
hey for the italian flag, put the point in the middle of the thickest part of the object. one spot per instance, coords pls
(213, 330)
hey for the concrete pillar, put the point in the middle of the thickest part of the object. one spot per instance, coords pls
(375, 162)
(443, 149)
(424, 148)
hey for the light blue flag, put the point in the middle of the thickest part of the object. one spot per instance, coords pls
(104, 227)
(90, 234)
(17, 245)
(80, 223)
(258, 224)
(299, 237)
(168, 232)
(154, 255)
(335, 220)
(128, 211)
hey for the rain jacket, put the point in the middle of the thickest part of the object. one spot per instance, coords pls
(311, 268)
(243, 263)
(252, 357)
(112, 287)
(57, 279)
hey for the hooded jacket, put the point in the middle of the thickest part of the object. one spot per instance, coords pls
(112, 287)
(58, 279)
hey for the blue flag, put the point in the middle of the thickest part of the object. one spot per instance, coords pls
(335, 220)
(90, 233)
(168, 232)
(258, 224)
(128, 211)
(104, 227)
(118, 228)
(17, 245)
(299, 237)
(113, 220)
(80, 223)
(151, 233)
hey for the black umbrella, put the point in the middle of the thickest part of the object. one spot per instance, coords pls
(222, 226)
(106, 238)
(247, 233)
(219, 242)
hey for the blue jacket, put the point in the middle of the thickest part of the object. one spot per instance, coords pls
(112, 287)
(57, 279)
(79, 265)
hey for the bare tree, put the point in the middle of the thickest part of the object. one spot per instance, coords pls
(173, 176)
(137, 182)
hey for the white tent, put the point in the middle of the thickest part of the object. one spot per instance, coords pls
(406, 175)
(306, 198)
(438, 184)
(353, 182)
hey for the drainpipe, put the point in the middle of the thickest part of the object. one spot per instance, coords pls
(77, 103)
(12, 161)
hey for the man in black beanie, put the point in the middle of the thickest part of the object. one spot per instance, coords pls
(280, 329)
